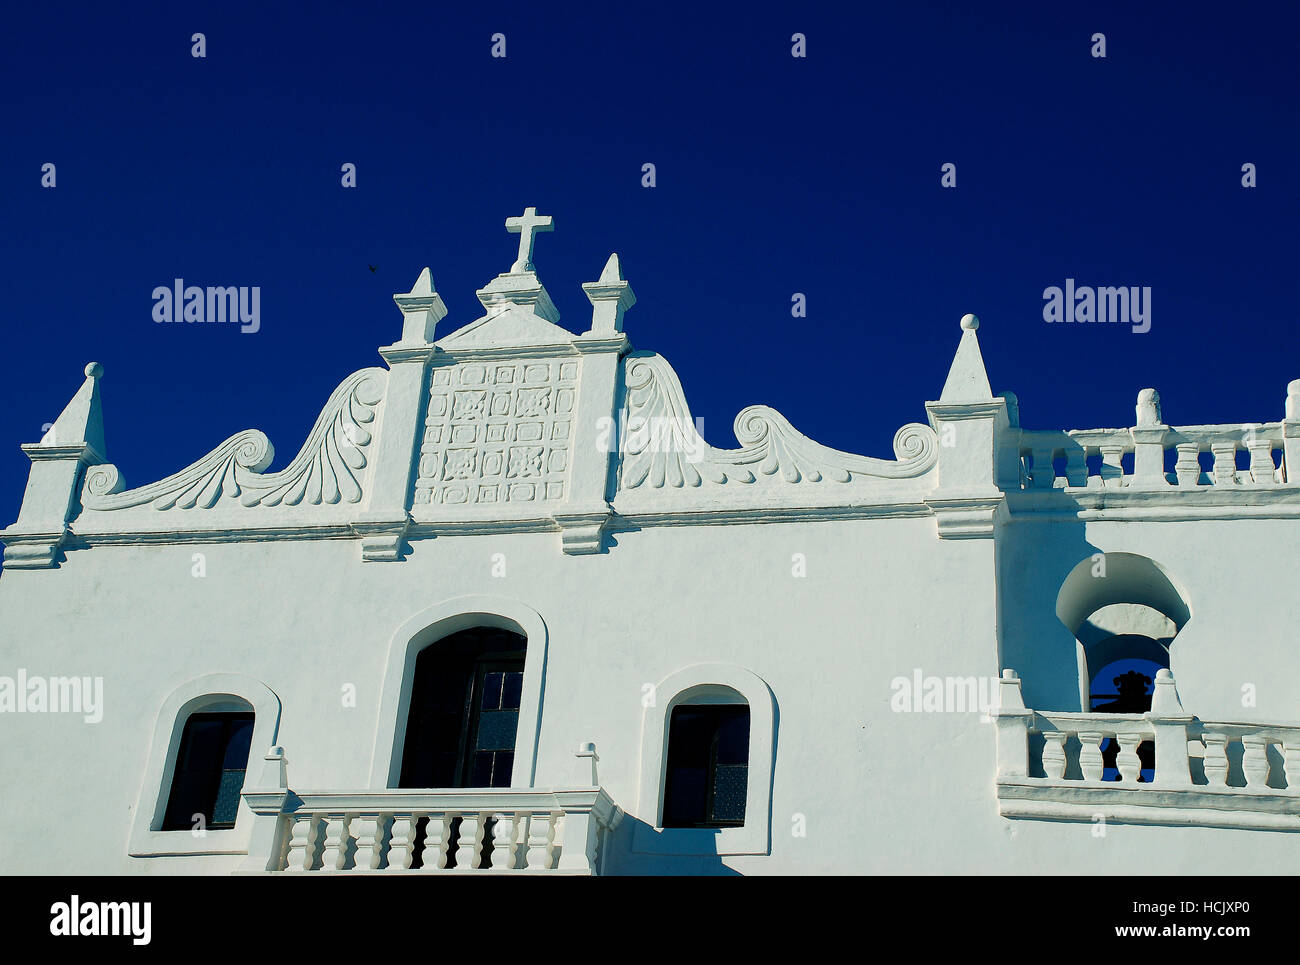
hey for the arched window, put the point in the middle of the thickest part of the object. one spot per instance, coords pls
(707, 772)
(209, 769)
(463, 719)
(708, 753)
(423, 753)
(203, 737)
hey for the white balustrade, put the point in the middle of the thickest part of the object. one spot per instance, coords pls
(469, 831)
(1071, 748)
(1152, 445)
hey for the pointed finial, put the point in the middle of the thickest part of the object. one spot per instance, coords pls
(422, 308)
(81, 423)
(424, 284)
(612, 272)
(610, 297)
(526, 227)
(967, 381)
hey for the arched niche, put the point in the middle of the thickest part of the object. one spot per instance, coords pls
(1119, 607)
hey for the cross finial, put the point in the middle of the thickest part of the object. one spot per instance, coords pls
(525, 226)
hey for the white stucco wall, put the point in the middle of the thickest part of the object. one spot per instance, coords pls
(878, 790)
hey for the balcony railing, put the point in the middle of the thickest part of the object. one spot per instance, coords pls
(1094, 458)
(475, 831)
(1153, 456)
(1052, 765)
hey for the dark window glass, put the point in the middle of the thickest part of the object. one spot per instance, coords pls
(495, 724)
(708, 766)
(209, 772)
(512, 691)
(496, 730)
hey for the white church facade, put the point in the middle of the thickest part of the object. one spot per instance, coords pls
(507, 612)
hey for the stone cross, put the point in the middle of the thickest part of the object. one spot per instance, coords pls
(525, 226)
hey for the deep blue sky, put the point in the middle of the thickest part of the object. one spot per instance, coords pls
(775, 175)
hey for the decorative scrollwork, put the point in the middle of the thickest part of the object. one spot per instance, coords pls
(326, 470)
(662, 447)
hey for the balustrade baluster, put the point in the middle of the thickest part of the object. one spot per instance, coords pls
(1090, 761)
(1076, 466)
(1262, 469)
(437, 839)
(1188, 467)
(1254, 760)
(1225, 463)
(540, 838)
(470, 844)
(1112, 466)
(1054, 754)
(370, 832)
(303, 839)
(505, 843)
(334, 857)
(1291, 760)
(1043, 475)
(400, 841)
(1216, 759)
(1127, 762)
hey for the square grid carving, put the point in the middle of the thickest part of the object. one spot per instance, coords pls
(498, 432)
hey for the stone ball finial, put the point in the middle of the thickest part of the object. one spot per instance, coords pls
(969, 323)
(1164, 673)
(94, 370)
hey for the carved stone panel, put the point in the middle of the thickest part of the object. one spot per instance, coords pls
(498, 432)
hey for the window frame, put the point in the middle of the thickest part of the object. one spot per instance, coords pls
(210, 693)
(428, 627)
(707, 683)
(711, 768)
(483, 667)
(228, 719)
